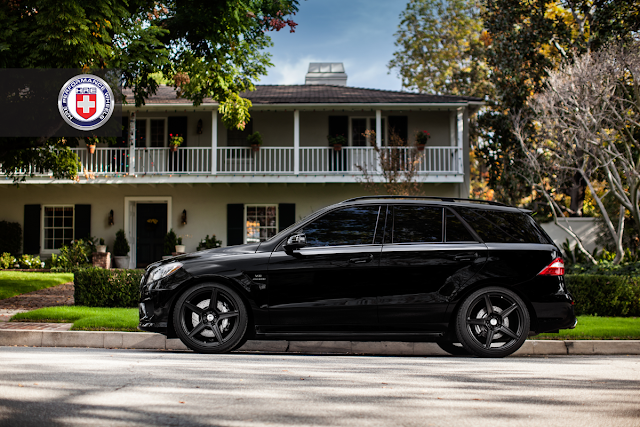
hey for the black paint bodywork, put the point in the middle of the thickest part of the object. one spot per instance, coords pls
(382, 291)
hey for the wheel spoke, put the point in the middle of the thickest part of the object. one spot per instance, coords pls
(193, 307)
(505, 313)
(489, 338)
(487, 303)
(199, 327)
(213, 302)
(216, 330)
(478, 322)
(507, 331)
(228, 314)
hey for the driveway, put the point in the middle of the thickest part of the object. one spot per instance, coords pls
(71, 386)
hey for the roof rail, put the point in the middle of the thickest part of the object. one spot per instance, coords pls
(443, 199)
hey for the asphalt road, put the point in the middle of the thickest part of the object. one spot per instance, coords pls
(71, 386)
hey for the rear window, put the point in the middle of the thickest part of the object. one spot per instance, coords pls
(503, 227)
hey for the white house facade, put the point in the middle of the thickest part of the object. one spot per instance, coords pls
(216, 184)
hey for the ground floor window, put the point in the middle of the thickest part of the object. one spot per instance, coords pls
(261, 222)
(58, 226)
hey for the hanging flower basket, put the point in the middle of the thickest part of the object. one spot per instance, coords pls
(337, 147)
(255, 147)
(420, 147)
(91, 148)
(422, 137)
(173, 148)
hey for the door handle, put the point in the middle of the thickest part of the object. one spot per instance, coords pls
(466, 257)
(361, 260)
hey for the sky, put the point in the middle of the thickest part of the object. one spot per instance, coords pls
(358, 33)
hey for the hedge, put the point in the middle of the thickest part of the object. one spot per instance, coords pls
(99, 287)
(605, 295)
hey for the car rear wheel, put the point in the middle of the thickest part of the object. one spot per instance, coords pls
(210, 318)
(492, 322)
(453, 348)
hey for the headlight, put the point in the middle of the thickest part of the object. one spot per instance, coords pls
(164, 271)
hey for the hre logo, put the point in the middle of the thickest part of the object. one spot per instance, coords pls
(86, 102)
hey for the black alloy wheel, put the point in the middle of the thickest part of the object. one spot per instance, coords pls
(492, 322)
(210, 318)
(453, 348)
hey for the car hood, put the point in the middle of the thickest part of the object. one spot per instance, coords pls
(207, 254)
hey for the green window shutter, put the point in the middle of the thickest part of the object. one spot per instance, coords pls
(31, 227)
(82, 222)
(286, 215)
(235, 224)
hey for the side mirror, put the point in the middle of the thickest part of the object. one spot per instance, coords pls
(296, 241)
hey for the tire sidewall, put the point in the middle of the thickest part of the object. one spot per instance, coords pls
(229, 345)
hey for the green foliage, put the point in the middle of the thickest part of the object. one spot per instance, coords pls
(254, 138)
(101, 241)
(422, 137)
(75, 255)
(10, 237)
(121, 245)
(85, 318)
(170, 242)
(209, 243)
(98, 287)
(176, 140)
(337, 140)
(14, 283)
(605, 295)
(7, 260)
(179, 241)
(606, 266)
(30, 261)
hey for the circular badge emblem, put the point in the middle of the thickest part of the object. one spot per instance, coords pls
(85, 102)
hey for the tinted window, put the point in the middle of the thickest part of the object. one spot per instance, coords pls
(503, 227)
(415, 224)
(348, 226)
(455, 230)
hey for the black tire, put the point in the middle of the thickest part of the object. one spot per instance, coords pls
(453, 348)
(210, 318)
(492, 322)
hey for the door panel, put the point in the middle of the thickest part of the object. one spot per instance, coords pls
(151, 227)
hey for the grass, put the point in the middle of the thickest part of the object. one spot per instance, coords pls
(599, 328)
(85, 318)
(14, 283)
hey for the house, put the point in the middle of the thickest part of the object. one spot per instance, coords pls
(216, 184)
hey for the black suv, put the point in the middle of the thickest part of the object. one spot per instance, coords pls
(473, 276)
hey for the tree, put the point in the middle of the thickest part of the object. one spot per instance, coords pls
(206, 48)
(587, 122)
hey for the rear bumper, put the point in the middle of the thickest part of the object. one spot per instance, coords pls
(553, 316)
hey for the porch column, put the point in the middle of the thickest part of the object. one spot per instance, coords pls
(378, 139)
(460, 139)
(296, 142)
(214, 142)
(132, 143)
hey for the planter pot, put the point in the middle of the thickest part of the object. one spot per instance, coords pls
(255, 147)
(420, 147)
(173, 148)
(180, 249)
(91, 148)
(121, 261)
(101, 248)
(337, 147)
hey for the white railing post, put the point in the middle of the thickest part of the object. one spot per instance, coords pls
(376, 156)
(296, 142)
(214, 142)
(132, 143)
(460, 140)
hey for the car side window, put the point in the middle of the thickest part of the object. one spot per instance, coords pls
(354, 225)
(503, 227)
(455, 231)
(417, 224)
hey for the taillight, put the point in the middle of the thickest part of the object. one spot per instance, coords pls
(556, 268)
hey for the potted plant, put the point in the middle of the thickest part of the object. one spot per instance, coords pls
(121, 250)
(180, 248)
(91, 143)
(422, 137)
(101, 247)
(337, 141)
(175, 141)
(255, 140)
(209, 243)
(170, 242)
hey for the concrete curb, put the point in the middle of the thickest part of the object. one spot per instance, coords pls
(151, 341)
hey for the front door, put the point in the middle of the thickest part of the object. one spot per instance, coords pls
(151, 227)
(329, 285)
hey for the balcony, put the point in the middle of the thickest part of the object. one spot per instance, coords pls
(268, 164)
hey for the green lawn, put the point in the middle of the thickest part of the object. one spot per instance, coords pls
(14, 283)
(599, 328)
(85, 318)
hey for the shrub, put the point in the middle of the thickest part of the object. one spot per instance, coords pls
(7, 260)
(209, 243)
(30, 261)
(604, 295)
(121, 245)
(72, 256)
(170, 242)
(99, 287)
(10, 237)
(606, 267)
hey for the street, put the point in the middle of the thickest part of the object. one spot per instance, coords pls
(74, 386)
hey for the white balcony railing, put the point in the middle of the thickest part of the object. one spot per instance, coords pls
(265, 161)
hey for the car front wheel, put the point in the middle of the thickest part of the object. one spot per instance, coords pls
(210, 318)
(492, 322)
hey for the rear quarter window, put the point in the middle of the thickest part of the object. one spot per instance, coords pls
(503, 227)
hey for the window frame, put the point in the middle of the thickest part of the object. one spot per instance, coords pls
(244, 222)
(371, 125)
(147, 135)
(43, 228)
